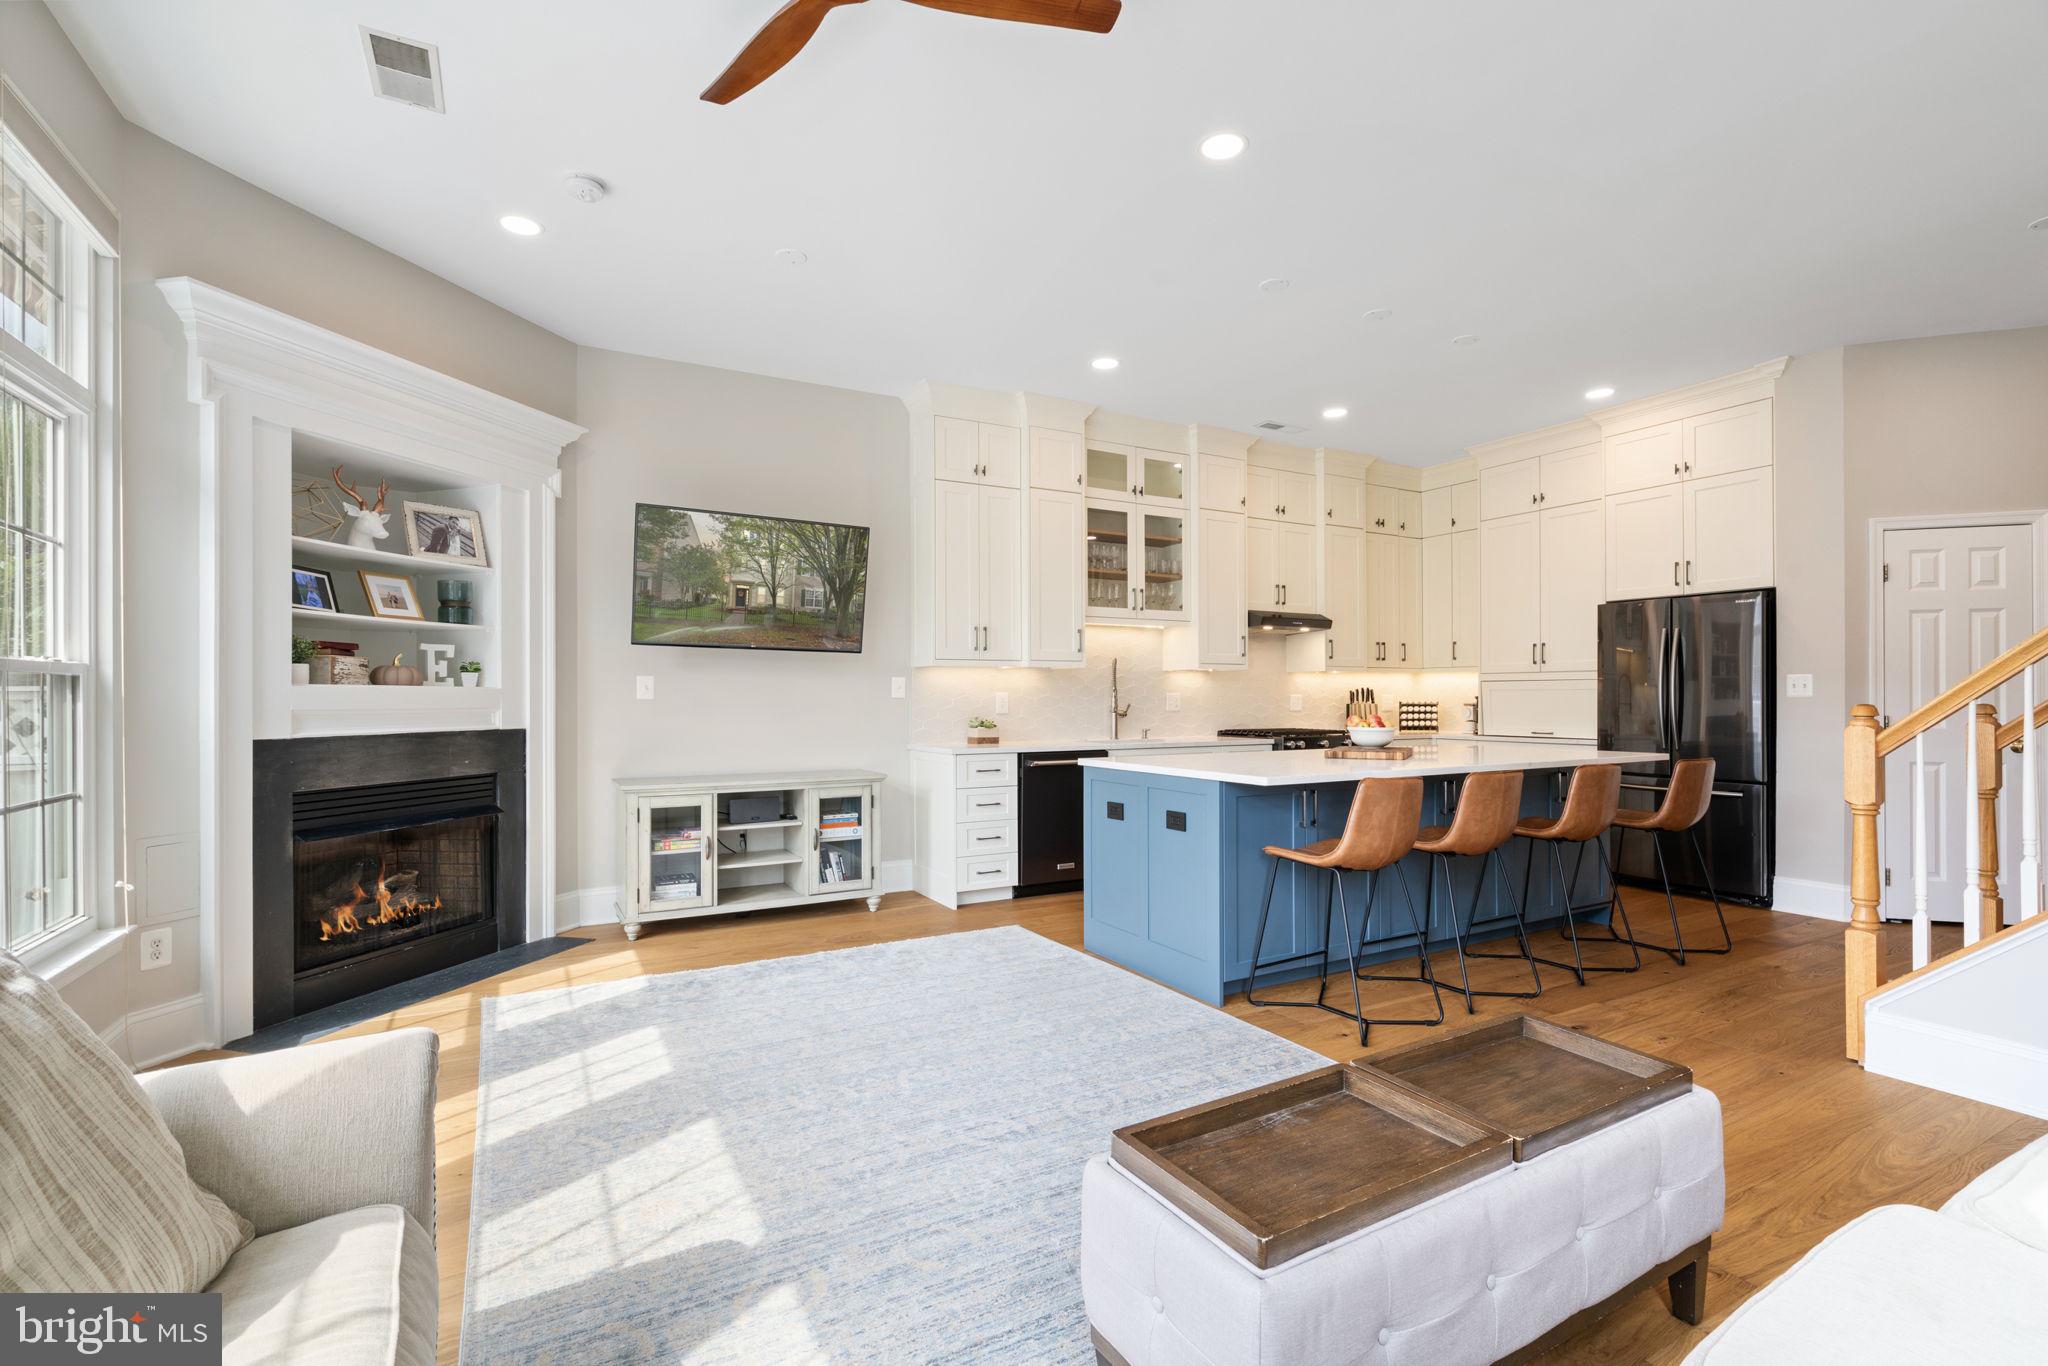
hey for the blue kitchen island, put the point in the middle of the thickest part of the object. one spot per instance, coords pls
(1174, 864)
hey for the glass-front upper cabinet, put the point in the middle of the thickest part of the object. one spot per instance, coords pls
(675, 872)
(842, 856)
(1135, 474)
(1136, 564)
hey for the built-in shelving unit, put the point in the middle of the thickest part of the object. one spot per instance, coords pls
(314, 548)
(313, 616)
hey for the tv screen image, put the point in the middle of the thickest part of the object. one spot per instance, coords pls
(732, 582)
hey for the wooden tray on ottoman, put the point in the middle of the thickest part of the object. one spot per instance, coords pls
(1541, 1083)
(1276, 1171)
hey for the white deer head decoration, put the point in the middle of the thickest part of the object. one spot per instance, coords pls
(371, 523)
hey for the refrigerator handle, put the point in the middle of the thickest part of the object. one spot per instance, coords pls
(1664, 687)
(1677, 688)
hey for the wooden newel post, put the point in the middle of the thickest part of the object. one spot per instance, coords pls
(1863, 789)
(1990, 782)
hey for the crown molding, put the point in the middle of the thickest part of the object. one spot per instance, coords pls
(1565, 436)
(1743, 386)
(1460, 471)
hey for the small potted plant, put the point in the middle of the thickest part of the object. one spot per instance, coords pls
(982, 731)
(471, 672)
(302, 661)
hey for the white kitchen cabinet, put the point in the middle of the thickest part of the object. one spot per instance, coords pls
(1645, 458)
(977, 574)
(1281, 495)
(1221, 616)
(1728, 521)
(1510, 594)
(1450, 601)
(1056, 587)
(1393, 601)
(1729, 440)
(1397, 512)
(1344, 500)
(1574, 584)
(1465, 506)
(1136, 563)
(1541, 708)
(1136, 474)
(1279, 566)
(1223, 487)
(1558, 479)
(1344, 597)
(977, 452)
(1406, 647)
(1646, 542)
(1453, 508)
(1058, 460)
(1508, 490)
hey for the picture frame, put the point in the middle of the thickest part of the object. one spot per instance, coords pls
(391, 595)
(456, 535)
(313, 590)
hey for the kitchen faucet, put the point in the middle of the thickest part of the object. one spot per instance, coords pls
(1116, 713)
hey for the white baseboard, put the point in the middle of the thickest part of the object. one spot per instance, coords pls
(598, 905)
(1822, 900)
(159, 1033)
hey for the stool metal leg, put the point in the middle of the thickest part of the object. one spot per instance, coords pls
(1333, 899)
(1677, 949)
(1579, 967)
(1424, 976)
(1727, 940)
(1471, 921)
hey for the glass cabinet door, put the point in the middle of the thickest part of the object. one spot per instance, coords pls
(675, 867)
(1163, 588)
(1111, 588)
(842, 831)
(1109, 471)
(1161, 478)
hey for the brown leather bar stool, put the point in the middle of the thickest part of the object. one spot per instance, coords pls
(1379, 832)
(1590, 806)
(1488, 806)
(1683, 808)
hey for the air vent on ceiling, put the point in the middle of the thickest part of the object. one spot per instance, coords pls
(403, 70)
(1280, 427)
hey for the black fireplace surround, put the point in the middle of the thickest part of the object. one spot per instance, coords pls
(380, 858)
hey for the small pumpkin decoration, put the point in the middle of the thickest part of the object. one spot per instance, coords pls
(396, 674)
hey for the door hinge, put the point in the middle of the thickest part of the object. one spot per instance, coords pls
(1887, 877)
(1887, 574)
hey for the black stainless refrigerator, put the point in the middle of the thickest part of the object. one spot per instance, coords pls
(1693, 677)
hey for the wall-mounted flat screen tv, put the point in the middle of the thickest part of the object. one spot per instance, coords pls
(733, 582)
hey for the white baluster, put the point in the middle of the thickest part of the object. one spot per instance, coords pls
(2030, 814)
(1973, 892)
(1922, 932)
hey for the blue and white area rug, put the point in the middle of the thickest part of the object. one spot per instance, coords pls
(871, 1155)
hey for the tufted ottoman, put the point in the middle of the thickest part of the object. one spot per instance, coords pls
(1475, 1275)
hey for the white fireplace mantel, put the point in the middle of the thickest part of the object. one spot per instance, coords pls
(263, 381)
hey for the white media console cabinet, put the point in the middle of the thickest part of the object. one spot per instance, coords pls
(746, 842)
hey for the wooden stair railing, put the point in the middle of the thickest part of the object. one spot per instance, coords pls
(1865, 745)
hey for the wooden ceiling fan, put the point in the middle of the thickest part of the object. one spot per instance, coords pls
(782, 37)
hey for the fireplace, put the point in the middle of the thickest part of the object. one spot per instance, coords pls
(365, 884)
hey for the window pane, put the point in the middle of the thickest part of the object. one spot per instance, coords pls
(60, 899)
(26, 577)
(40, 739)
(40, 235)
(39, 320)
(26, 899)
(10, 450)
(10, 211)
(33, 503)
(10, 296)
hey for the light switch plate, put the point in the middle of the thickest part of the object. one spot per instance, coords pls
(1798, 685)
(643, 687)
(899, 687)
(1173, 701)
(156, 948)
(1002, 704)
(1294, 701)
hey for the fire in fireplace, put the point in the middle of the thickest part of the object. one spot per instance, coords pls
(363, 892)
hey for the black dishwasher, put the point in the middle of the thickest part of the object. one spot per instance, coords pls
(1049, 820)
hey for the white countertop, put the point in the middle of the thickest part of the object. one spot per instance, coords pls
(1064, 746)
(1433, 758)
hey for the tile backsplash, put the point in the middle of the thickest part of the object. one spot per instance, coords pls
(1057, 706)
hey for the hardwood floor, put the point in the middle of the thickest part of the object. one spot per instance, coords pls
(1812, 1140)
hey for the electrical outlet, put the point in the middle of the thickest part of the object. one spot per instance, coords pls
(1002, 704)
(1798, 685)
(1294, 701)
(1173, 701)
(899, 687)
(643, 688)
(156, 949)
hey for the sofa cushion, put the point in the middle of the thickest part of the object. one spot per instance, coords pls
(2011, 1198)
(1900, 1285)
(352, 1289)
(92, 1185)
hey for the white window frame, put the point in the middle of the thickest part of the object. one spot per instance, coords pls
(80, 393)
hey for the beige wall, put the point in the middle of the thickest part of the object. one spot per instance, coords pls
(663, 432)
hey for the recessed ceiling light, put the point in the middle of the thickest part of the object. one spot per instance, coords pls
(519, 225)
(1467, 339)
(1105, 362)
(1378, 315)
(790, 256)
(1604, 391)
(1332, 414)
(1224, 146)
(1274, 285)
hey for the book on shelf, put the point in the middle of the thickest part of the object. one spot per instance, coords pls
(677, 841)
(675, 889)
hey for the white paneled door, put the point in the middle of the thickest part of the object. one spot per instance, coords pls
(1954, 599)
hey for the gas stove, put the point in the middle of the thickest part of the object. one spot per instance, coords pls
(1289, 737)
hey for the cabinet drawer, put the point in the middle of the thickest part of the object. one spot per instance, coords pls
(979, 841)
(1563, 708)
(985, 804)
(979, 874)
(997, 770)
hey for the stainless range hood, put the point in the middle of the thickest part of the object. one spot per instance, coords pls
(1277, 622)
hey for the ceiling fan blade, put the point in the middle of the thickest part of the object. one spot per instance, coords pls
(780, 39)
(1091, 16)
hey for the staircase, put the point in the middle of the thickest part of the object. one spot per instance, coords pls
(1973, 1022)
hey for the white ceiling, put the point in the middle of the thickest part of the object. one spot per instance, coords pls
(1620, 192)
